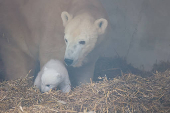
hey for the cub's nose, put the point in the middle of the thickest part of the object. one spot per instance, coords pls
(68, 61)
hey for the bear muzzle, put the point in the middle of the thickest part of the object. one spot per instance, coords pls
(68, 61)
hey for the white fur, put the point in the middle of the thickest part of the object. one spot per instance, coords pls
(53, 74)
(81, 28)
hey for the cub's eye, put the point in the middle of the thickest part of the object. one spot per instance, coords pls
(66, 40)
(48, 85)
(82, 42)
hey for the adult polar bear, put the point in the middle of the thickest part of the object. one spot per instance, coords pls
(39, 30)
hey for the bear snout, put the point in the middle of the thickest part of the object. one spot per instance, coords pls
(68, 61)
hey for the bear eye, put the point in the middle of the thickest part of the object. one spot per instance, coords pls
(82, 42)
(66, 40)
(48, 85)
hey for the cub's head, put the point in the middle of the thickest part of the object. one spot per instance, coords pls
(81, 35)
(50, 79)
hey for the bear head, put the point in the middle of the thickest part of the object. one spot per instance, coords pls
(81, 35)
(50, 79)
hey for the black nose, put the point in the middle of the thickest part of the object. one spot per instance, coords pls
(68, 61)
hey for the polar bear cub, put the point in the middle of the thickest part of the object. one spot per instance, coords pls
(53, 74)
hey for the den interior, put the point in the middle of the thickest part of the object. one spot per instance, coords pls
(136, 79)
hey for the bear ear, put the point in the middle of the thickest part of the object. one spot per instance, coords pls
(101, 25)
(65, 16)
(45, 68)
(58, 75)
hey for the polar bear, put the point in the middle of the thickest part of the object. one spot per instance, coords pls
(35, 31)
(53, 74)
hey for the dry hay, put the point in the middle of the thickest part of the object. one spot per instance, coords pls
(126, 94)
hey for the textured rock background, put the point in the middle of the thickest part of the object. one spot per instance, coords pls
(141, 30)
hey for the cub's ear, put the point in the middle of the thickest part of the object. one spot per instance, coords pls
(101, 25)
(65, 16)
(45, 68)
(58, 75)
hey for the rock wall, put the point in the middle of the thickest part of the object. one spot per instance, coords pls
(141, 30)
